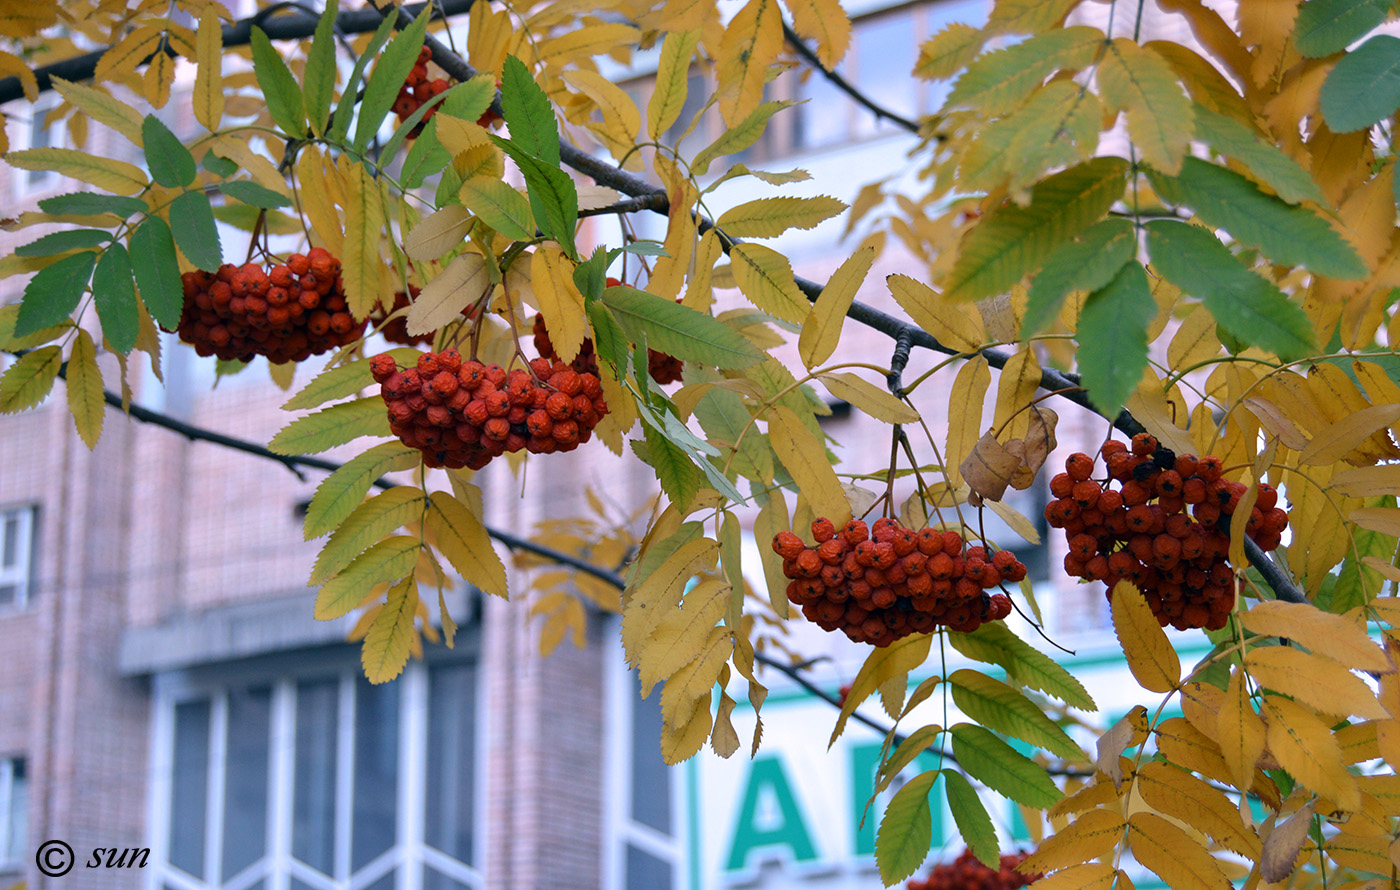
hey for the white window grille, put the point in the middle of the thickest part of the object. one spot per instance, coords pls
(16, 556)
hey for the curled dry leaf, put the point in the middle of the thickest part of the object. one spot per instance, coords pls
(1035, 448)
(1281, 847)
(1126, 733)
(988, 470)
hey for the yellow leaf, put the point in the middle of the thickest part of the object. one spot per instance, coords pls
(672, 75)
(1194, 341)
(868, 397)
(127, 53)
(654, 597)
(805, 459)
(559, 300)
(1092, 835)
(770, 217)
(208, 97)
(965, 414)
(1150, 655)
(1240, 732)
(1019, 380)
(460, 137)
(156, 82)
(438, 233)
(1385, 520)
(927, 308)
(1018, 523)
(1369, 853)
(825, 22)
(1345, 435)
(1173, 854)
(464, 281)
(1272, 417)
(316, 201)
(114, 176)
(764, 277)
(881, 665)
(948, 52)
(28, 381)
(1320, 683)
(391, 636)
(1338, 396)
(1176, 793)
(682, 740)
(1237, 529)
(724, 739)
(359, 261)
(463, 540)
(1201, 703)
(85, 389)
(694, 680)
(822, 329)
(1089, 876)
(12, 65)
(678, 638)
(1322, 632)
(594, 40)
(1303, 745)
(751, 43)
(1160, 119)
(620, 115)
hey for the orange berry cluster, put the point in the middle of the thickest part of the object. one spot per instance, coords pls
(663, 368)
(1140, 531)
(417, 89)
(291, 311)
(968, 873)
(463, 413)
(396, 330)
(884, 582)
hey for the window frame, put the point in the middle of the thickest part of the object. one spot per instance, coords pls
(22, 572)
(7, 813)
(25, 181)
(276, 868)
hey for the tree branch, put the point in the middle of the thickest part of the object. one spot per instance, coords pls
(842, 84)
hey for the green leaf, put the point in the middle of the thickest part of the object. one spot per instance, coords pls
(679, 477)
(997, 81)
(999, 707)
(192, 222)
(528, 114)
(342, 491)
(343, 380)
(279, 88)
(251, 193)
(426, 157)
(1012, 241)
(402, 131)
(115, 295)
(1358, 584)
(500, 207)
(345, 109)
(609, 342)
(974, 824)
(62, 242)
(332, 426)
(676, 330)
(738, 138)
(1112, 338)
(221, 167)
(93, 203)
(388, 76)
(1245, 304)
(170, 163)
(366, 526)
(320, 69)
(994, 643)
(1139, 81)
(902, 843)
(468, 101)
(1086, 263)
(157, 271)
(29, 380)
(389, 560)
(1324, 27)
(1002, 768)
(1364, 87)
(1263, 158)
(53, 293)
(722, 416)
(1285, 233)
(553, 197)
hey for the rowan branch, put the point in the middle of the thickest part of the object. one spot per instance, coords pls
(844, 85)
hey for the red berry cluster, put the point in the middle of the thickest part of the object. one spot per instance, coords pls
(291, 311)
(396, 330)
(968, 873)
(663, 368)
(418, 89)
(1140, 530)
(463, 413)
(888, 581)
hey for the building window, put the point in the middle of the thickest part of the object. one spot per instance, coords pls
(14, 814)
(40, 132)
(16, 556)
(320, 782)
(644, 794)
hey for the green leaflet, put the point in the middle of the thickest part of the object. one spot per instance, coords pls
(722, 416)
(114, 293)
(1286, 234)
(1087, 263)
(676, 330)
(332, 426)
(320, 70)
(468, 101)
(738, 137)
(553, 197)
(278, 87)
(974, 824)
(997, 81)
(1357, 584)
(384, 82)
(1057, 126)
(93, 203)
(1012, 241)
(1246, 305)
(679, 477)
(1364, 87)
(389, 560)
(343, 380)
(1324, 27)
(342, 491)
(366, 526)
(902, 843)
(1003, 709)
(528, 114)
(192, 222)
(170, 163)
(221, 167)
(407, 126)
(255, 195)
(1112, 336)
(426, 157)
(500, 207)
(340, 121)
(1264, 159)
(608, 340)
(157, 271)
(1002, 768)
(53, 293)
(64, 241)
(994, 643)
